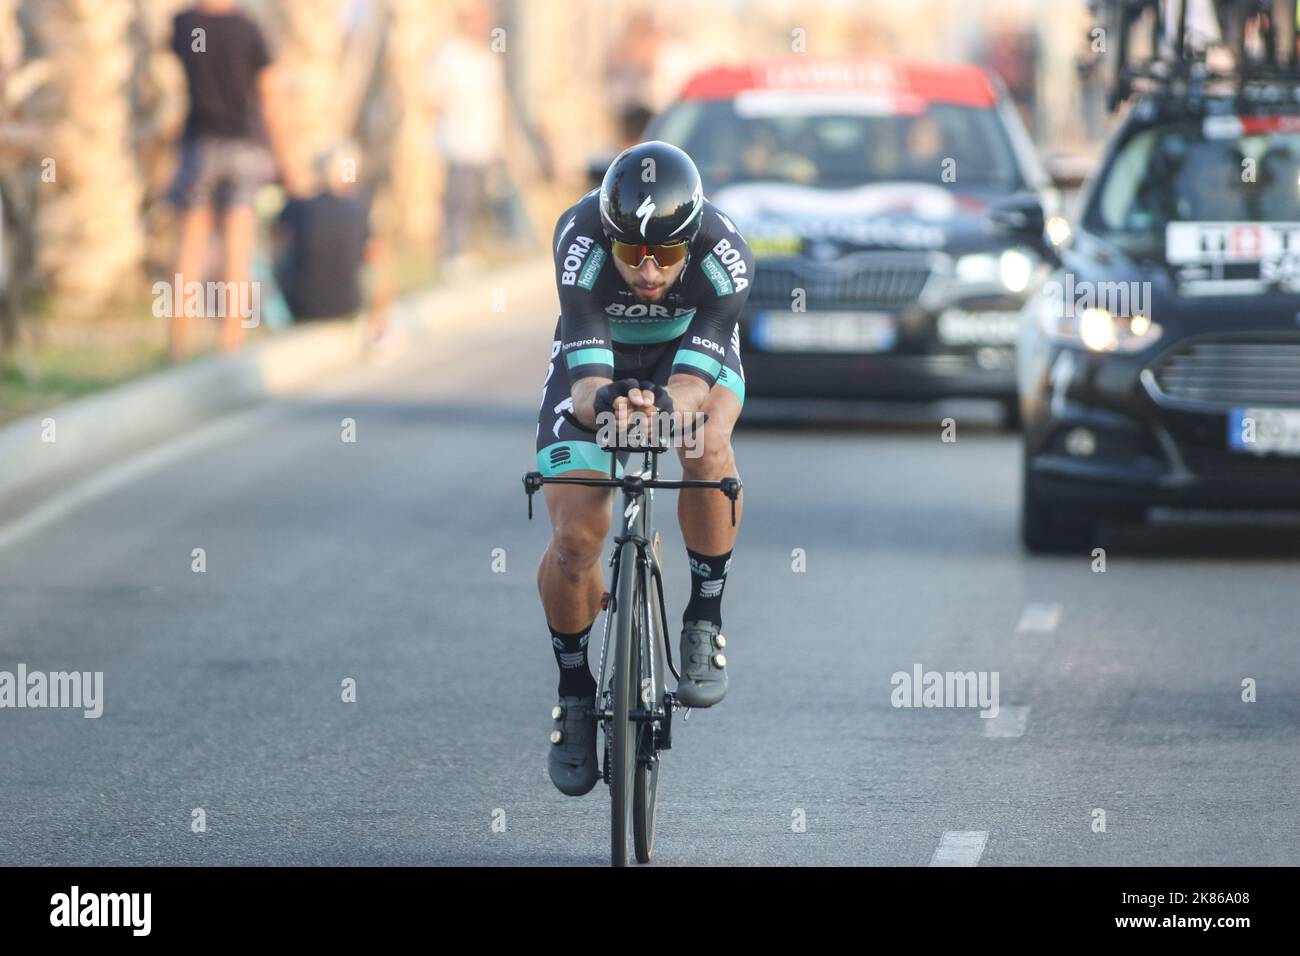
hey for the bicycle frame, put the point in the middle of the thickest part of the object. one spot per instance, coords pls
(638, 526)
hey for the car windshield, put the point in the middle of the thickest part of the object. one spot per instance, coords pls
(1177, 173)
(840, 143)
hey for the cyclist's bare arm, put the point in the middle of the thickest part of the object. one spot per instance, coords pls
(583, 393)
(688, 393)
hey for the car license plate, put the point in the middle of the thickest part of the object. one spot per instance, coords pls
(958, 327)
(824, 332)
(1263, 431)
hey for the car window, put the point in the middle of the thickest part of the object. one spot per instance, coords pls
(838, 143)
(1177, 173)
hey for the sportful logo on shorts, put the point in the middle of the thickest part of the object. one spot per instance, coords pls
(560, 455)
(714, 272)
(587, 277)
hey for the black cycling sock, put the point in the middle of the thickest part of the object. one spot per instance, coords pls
(708, 576)
(571, 655)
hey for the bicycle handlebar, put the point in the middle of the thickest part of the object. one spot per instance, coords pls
(631, 484)
(650, 449)
(634, 485)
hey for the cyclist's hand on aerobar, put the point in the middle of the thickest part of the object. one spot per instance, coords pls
(629, 395)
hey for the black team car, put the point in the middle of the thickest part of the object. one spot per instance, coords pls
(1159, 363)
(863, 186)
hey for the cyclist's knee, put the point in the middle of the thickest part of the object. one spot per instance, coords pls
(579, 528)
(576, 547)
(710, 455)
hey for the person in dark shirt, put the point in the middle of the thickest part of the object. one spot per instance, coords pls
(325, 240)
(232, 131)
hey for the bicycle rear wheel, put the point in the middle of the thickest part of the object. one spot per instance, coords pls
(623, 730)
(645, 798)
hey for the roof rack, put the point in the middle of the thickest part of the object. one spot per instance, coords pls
(1195, 47)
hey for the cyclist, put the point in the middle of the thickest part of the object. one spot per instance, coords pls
(651, 279)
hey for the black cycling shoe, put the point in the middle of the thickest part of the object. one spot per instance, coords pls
(704, 666)
(572, 760)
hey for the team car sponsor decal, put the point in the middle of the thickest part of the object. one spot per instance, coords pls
(573, 258)
(1227, 258)
(891, 215)
(1227, 242)
(1231, 127)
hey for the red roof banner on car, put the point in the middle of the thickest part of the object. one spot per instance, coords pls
(940, 83)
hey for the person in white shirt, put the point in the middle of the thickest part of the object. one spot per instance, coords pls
(467, 86)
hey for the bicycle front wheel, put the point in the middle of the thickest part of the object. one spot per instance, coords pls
(645, 802)
(623, 730)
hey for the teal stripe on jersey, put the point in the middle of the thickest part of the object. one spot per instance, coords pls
(641, 332)
(589, 357)
(698, 359)
(733, 381)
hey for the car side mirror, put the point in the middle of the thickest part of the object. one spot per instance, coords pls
(1021, 216)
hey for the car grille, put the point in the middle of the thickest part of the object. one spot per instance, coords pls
(1213, 463)
(1232, 373)
(886, 281)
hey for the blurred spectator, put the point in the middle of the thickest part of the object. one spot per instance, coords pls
(323, 242)
(20, 155)
(224, 159)
(632, 124)
(631, 65)
(467, 86)
(674, 62)
(647, 68)
(1012, 53)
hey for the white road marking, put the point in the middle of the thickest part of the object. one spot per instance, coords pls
(133, 468)
(960, 848)
(1010, 722)
(1040, 618)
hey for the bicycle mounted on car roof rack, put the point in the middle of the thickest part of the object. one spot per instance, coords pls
(1260, 36)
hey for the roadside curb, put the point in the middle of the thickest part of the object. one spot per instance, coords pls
(46, 445)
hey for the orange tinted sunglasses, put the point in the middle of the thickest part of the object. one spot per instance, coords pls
(664, 256)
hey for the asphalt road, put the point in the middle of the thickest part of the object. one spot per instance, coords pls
(373, 561)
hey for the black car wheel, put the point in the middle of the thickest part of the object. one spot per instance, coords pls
(1047, 528)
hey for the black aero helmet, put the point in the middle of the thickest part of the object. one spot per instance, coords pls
(651, 195)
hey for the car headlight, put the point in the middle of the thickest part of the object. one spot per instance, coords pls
(1015, 269)
(1012, 269)
(1098, 330)
(1058, 230)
